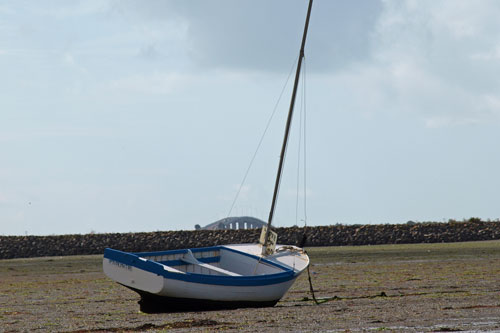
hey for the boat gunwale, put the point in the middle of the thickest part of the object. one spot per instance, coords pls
(208, 249)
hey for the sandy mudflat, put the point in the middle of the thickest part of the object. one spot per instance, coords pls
(422, 287)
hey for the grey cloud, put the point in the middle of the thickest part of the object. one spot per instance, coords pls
(149, 52)
(265, 35)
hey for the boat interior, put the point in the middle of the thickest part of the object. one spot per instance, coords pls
(212, 261)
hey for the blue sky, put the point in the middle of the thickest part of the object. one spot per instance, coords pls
(120, 116)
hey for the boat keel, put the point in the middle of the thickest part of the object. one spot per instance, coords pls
(151, 303)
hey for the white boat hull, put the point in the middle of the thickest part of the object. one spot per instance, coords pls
(230, 276)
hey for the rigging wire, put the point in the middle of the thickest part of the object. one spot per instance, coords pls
(261, 138)
(303, 133)
(305, 145)
(298, 157)
(302, 154)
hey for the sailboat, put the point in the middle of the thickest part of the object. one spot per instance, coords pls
(217, 277)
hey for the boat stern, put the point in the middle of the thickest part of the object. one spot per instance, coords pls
(122, 268)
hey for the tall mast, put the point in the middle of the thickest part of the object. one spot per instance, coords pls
(287, 128)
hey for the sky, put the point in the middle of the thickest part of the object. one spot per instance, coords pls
(128, 116)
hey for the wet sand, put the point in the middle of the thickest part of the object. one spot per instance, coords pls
(418, 287)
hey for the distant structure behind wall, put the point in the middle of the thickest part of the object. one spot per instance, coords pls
(242, 222)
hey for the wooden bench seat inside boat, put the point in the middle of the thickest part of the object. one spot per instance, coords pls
(190, 259)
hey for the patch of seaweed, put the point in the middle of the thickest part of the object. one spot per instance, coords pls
(149, 326)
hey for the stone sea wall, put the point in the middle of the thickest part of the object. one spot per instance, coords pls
(335, 235)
